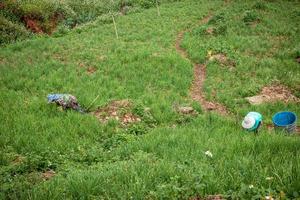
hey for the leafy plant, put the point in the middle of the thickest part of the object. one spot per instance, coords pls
(218, 18)
(250, 16)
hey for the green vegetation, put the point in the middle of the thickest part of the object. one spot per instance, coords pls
(46, 14)
(264, 53)
(163, 156)
(11, 31)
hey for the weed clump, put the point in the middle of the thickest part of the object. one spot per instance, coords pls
(260, 6)
(147, 121)
(202, 30)
(10, 31)
(220, 29)
(217, 19)
(297, 55)
(116, 140)
(250, 17)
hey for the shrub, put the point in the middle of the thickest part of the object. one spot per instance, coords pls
(10, 31)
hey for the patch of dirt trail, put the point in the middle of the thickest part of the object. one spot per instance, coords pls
(196, 90)
(273, 93)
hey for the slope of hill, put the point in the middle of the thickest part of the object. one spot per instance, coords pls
(138, 143)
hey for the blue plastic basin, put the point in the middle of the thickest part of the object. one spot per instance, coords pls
(286, 120)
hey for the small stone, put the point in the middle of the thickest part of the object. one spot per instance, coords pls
(210, 106)
(210, 31)
(186, 110)
(48, 174)
(256, 100)
(147, 109)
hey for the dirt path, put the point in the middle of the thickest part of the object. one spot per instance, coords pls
(196, 90)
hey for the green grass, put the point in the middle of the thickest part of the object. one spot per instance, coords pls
(165, 158)
(59, 16)
(264, 54)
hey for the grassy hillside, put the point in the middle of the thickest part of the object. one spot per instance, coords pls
(163, 156)
(48, 17)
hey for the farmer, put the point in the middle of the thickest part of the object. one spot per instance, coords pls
(65, 101)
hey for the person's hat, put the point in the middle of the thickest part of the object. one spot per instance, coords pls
(248, 122)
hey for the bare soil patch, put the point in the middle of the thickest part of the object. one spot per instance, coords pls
(33, 25)
(186, 110)
(117, 110)
(48, 175)
(254, 23)
(91, 70)
(18, 160)
(222, 59)
(37, 25)
(273, 93)
(2, 5)
(210, 31)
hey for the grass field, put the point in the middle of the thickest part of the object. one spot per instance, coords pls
(163, 156)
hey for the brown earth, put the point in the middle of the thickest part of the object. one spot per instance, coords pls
(38, 26)
(273, 93)
(186, 110)
(91, 70)
(210, 31)
(222, 59)
(196, 90)
(2, 5)
(33, 25)
(254, 23)
(18, 160)
(48, 175)
(117, 110)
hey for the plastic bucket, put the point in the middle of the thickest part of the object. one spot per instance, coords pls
(258, 119)
(285, 120)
